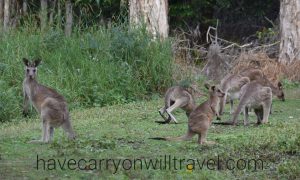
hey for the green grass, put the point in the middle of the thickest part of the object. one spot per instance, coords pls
(94, 68)
(122, 132)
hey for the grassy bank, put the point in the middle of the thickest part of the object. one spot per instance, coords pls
(121, 132)
(93, 68)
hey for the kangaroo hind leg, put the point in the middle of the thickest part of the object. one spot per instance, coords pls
(178, 103)
(45, 132)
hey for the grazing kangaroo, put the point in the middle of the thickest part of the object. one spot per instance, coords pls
(50, 105)
(257, 74)
(231, 86)
(233, 82)
(276, 90)
(178, 97)
(256, 96)
(200, 118)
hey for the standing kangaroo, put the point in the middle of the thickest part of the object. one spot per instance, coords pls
(50, 105)
(178, 97)
(231, 86)
(257, 96)
(200, 118)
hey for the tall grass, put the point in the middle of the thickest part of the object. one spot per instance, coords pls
(97, 67)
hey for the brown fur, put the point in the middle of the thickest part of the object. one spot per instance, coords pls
(200, 119)
(178, 97)
(254, 95)
(258, 75)
(233, 82)
(51, 106)
(231, 86)
(252, 73)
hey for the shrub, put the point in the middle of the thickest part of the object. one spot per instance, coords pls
(97, 67)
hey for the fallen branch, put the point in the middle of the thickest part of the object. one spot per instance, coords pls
(264, 46)
(235, 44)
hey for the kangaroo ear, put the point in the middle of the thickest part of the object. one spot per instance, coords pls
(213, 88)
(26, 61)
(280, 85)
(37, 62)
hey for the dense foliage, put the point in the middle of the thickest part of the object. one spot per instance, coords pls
(99, 67)
(237, 18)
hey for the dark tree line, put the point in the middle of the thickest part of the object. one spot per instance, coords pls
(237, 18)
(13, 13)
(57, 13)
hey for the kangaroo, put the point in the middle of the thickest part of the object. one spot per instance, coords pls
(233, 82)
(256, 96)
(200, 118)
(50, 105)
(257, 74)
(178, 97)
(276, 90)
(231, 86)
(252, 73)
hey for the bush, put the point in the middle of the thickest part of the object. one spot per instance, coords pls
(96, 68)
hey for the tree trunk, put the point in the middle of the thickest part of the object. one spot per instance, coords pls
(69, 18)
(123, 7)
(6, 15)
(43, 14)
(52, 11)
(58, 19)
(1, 12)
(24, 7)
(152, 13)
(15, 10)
(289, 31)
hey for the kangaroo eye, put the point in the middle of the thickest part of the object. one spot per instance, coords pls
(34, 70)
(27, 70)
